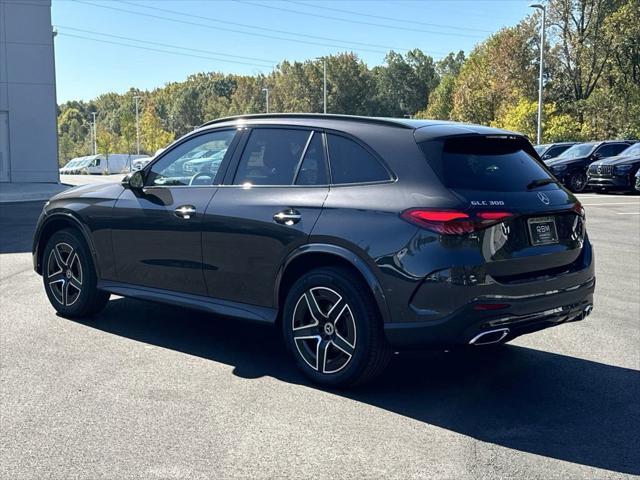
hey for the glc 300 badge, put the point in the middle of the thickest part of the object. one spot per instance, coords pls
(543, 198)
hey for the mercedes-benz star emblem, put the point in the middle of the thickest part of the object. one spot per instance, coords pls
(543, 198)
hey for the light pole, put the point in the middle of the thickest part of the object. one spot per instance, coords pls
(137, 99)
(266, 91)
(540, 85)
(324, 84)
(95, 134)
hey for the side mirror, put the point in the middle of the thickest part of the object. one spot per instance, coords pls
(597, 156)
(133, 181)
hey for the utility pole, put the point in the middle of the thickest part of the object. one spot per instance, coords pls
(137, 99)
(540, 79)
(95, 134)
(266, 91)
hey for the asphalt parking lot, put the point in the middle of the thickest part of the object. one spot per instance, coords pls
(156, 392)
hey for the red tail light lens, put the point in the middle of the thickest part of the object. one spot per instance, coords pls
(579, 209)
(454, 222)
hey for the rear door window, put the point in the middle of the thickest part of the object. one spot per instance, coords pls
(352, 163)
(611, 149)
(271, 156)
(313, 169)
(481, 163)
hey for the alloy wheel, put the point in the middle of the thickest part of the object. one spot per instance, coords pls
(324, 330)
(64, 274)
(578, 182)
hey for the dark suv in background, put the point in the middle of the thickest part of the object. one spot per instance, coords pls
(572, 165)
(615, 173)
(548, 151)
(355, 235)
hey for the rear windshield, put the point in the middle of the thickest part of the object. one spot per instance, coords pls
(481, 163)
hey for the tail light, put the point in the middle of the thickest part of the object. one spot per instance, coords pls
(454, 222)
(579, 209)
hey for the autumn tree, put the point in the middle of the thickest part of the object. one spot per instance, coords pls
(152, 135)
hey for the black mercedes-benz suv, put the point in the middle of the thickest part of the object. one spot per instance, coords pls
(615, 173)
(355, 236)
(571, 166)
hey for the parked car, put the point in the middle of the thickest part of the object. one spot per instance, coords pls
(638, 180)
(548, 151)
(571, 166)
(355, 236)
(208, 161)
(140, 163)
(615, 173)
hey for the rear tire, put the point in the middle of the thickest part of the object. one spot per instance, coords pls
(69, 276)
(332, 327)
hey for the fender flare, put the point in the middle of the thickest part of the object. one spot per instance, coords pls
(345, 254)
(71, 218)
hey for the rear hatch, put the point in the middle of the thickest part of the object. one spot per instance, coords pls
(525, 222)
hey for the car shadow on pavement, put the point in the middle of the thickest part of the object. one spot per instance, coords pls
(528, 400)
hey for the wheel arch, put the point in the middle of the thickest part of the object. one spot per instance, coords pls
(53, 223)
(317, 255)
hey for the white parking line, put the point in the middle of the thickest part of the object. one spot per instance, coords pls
(610, 203)
(597, 195)
(628, 213)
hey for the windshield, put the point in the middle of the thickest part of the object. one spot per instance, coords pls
(540, 148)
(577, 151)
(632, 150)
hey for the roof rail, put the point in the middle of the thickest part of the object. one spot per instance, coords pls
(318, 116)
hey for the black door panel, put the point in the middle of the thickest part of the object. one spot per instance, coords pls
(244, 246)
(156, 246)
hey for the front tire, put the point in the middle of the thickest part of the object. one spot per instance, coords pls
(577, 182)
(69, 276)
(333, 329)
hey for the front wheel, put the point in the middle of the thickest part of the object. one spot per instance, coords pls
(69, 276)
(332, 327)
(577, 182)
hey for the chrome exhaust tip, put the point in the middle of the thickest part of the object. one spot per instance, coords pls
(489, 337)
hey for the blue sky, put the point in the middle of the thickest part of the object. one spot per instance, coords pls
(250, 36)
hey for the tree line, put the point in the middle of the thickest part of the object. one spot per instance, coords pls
(592, 86)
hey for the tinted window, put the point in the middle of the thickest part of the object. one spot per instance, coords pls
(351, 163)
(313, 170)
(499, 165)
(194, 162)
(611, 149)
(271, 156)
(555, 151)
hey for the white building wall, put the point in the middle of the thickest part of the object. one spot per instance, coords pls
(27, 92)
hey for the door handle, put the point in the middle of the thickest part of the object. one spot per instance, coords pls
(185, 211)
(289, 216)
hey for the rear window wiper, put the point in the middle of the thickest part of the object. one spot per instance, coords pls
(540, 182)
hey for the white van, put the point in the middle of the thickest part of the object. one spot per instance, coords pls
(106, 164)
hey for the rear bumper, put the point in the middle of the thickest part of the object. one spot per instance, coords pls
(452, 310)
(523, 316)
